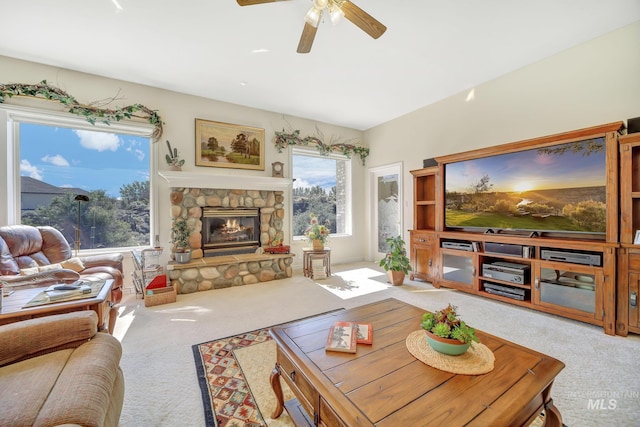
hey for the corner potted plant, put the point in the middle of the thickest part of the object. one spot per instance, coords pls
(316, 233)
(396, 263)
(446, 332)
(181, 233)
(173, 158)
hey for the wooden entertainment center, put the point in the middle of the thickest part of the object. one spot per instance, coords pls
(590, 277)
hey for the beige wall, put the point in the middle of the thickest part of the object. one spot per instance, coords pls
(594, 83)
(179, 112)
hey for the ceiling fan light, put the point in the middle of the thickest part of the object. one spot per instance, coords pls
(336, 15)
(313, 17)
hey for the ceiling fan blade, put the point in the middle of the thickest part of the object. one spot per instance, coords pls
(362, 19)
(306, 39)
(252, 2)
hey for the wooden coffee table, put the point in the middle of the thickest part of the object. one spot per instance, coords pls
(384, 385)
(13, 311)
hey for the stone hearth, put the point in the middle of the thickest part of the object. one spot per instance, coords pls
(229, 270)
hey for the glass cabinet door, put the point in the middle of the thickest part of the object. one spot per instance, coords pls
(568, 288)
(457, 268)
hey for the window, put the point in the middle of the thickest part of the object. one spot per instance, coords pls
(322, 186)
(92, 183)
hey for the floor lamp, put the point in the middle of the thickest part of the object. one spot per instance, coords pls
(80, 198)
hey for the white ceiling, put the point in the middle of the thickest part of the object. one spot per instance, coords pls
(431, 50)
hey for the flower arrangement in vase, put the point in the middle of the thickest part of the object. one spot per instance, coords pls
(446, 332)
(317, 234)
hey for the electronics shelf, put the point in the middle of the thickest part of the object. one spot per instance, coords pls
(567, 274)
(628, 312)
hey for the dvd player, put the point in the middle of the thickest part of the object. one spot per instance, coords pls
(572, 257)
(465, 246)
(507, 271)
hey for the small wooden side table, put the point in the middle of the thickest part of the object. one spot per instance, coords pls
(310, 254)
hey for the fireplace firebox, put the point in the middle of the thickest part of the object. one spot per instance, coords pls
(227, 231)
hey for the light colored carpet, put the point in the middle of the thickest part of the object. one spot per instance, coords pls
(162, 387)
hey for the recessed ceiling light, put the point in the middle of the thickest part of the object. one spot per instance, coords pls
(261, 50)
(243, 83)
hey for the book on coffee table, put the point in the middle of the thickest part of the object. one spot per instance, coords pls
(364, 333)
(342, 337)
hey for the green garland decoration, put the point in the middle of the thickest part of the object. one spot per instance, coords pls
(283, 139)
(91, 113)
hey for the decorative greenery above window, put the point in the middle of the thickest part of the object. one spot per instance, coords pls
(283, 139)
(91, 113)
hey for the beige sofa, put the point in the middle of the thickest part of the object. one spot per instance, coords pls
(41, 255)
(58, 370)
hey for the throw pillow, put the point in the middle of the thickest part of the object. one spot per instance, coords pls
(74, 264)
(49, 267)
(28, 271)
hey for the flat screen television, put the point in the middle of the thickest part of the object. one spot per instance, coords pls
(553, 190)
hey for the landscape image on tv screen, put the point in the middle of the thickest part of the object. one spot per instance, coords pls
(558, 188)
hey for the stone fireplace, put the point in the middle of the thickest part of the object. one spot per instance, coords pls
(230, 220)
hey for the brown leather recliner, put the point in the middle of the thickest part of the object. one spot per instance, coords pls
(27, 248)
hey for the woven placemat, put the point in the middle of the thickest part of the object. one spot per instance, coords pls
(477, 360)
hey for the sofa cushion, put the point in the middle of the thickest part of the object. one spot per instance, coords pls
(21, 340)
(74, 264)
(84, 388)
(8, 265)
(55, 246)
(26, 386)
(22, 239)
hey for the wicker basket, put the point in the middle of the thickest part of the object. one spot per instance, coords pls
(318, 245)
(160, 296)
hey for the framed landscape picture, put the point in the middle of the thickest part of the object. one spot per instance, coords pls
(225, 145)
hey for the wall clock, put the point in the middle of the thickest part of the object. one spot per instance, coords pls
(277, 169)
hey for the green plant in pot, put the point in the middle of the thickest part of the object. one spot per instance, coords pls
(446, 332)
(396, 263)
(181, 232)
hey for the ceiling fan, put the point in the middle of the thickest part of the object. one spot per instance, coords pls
(337, 9)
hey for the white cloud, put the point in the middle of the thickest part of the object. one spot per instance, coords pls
(32, 171)
(99, 141)
(300, 183)
(139, 154)
(56, 160)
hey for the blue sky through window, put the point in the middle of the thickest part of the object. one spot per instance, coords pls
(89, 160)
(311, 171)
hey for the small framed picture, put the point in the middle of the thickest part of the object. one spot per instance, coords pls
(636, 240)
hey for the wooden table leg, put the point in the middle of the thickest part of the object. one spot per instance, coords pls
(552, 417)
(277, 389)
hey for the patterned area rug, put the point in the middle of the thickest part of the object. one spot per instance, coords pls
(226, 395)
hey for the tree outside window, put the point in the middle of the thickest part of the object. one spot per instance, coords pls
(321, 186)
(58, 164)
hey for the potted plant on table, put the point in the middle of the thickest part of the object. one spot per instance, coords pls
(396, 263)
(446, 332)
(316, 233)
(181, 232)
